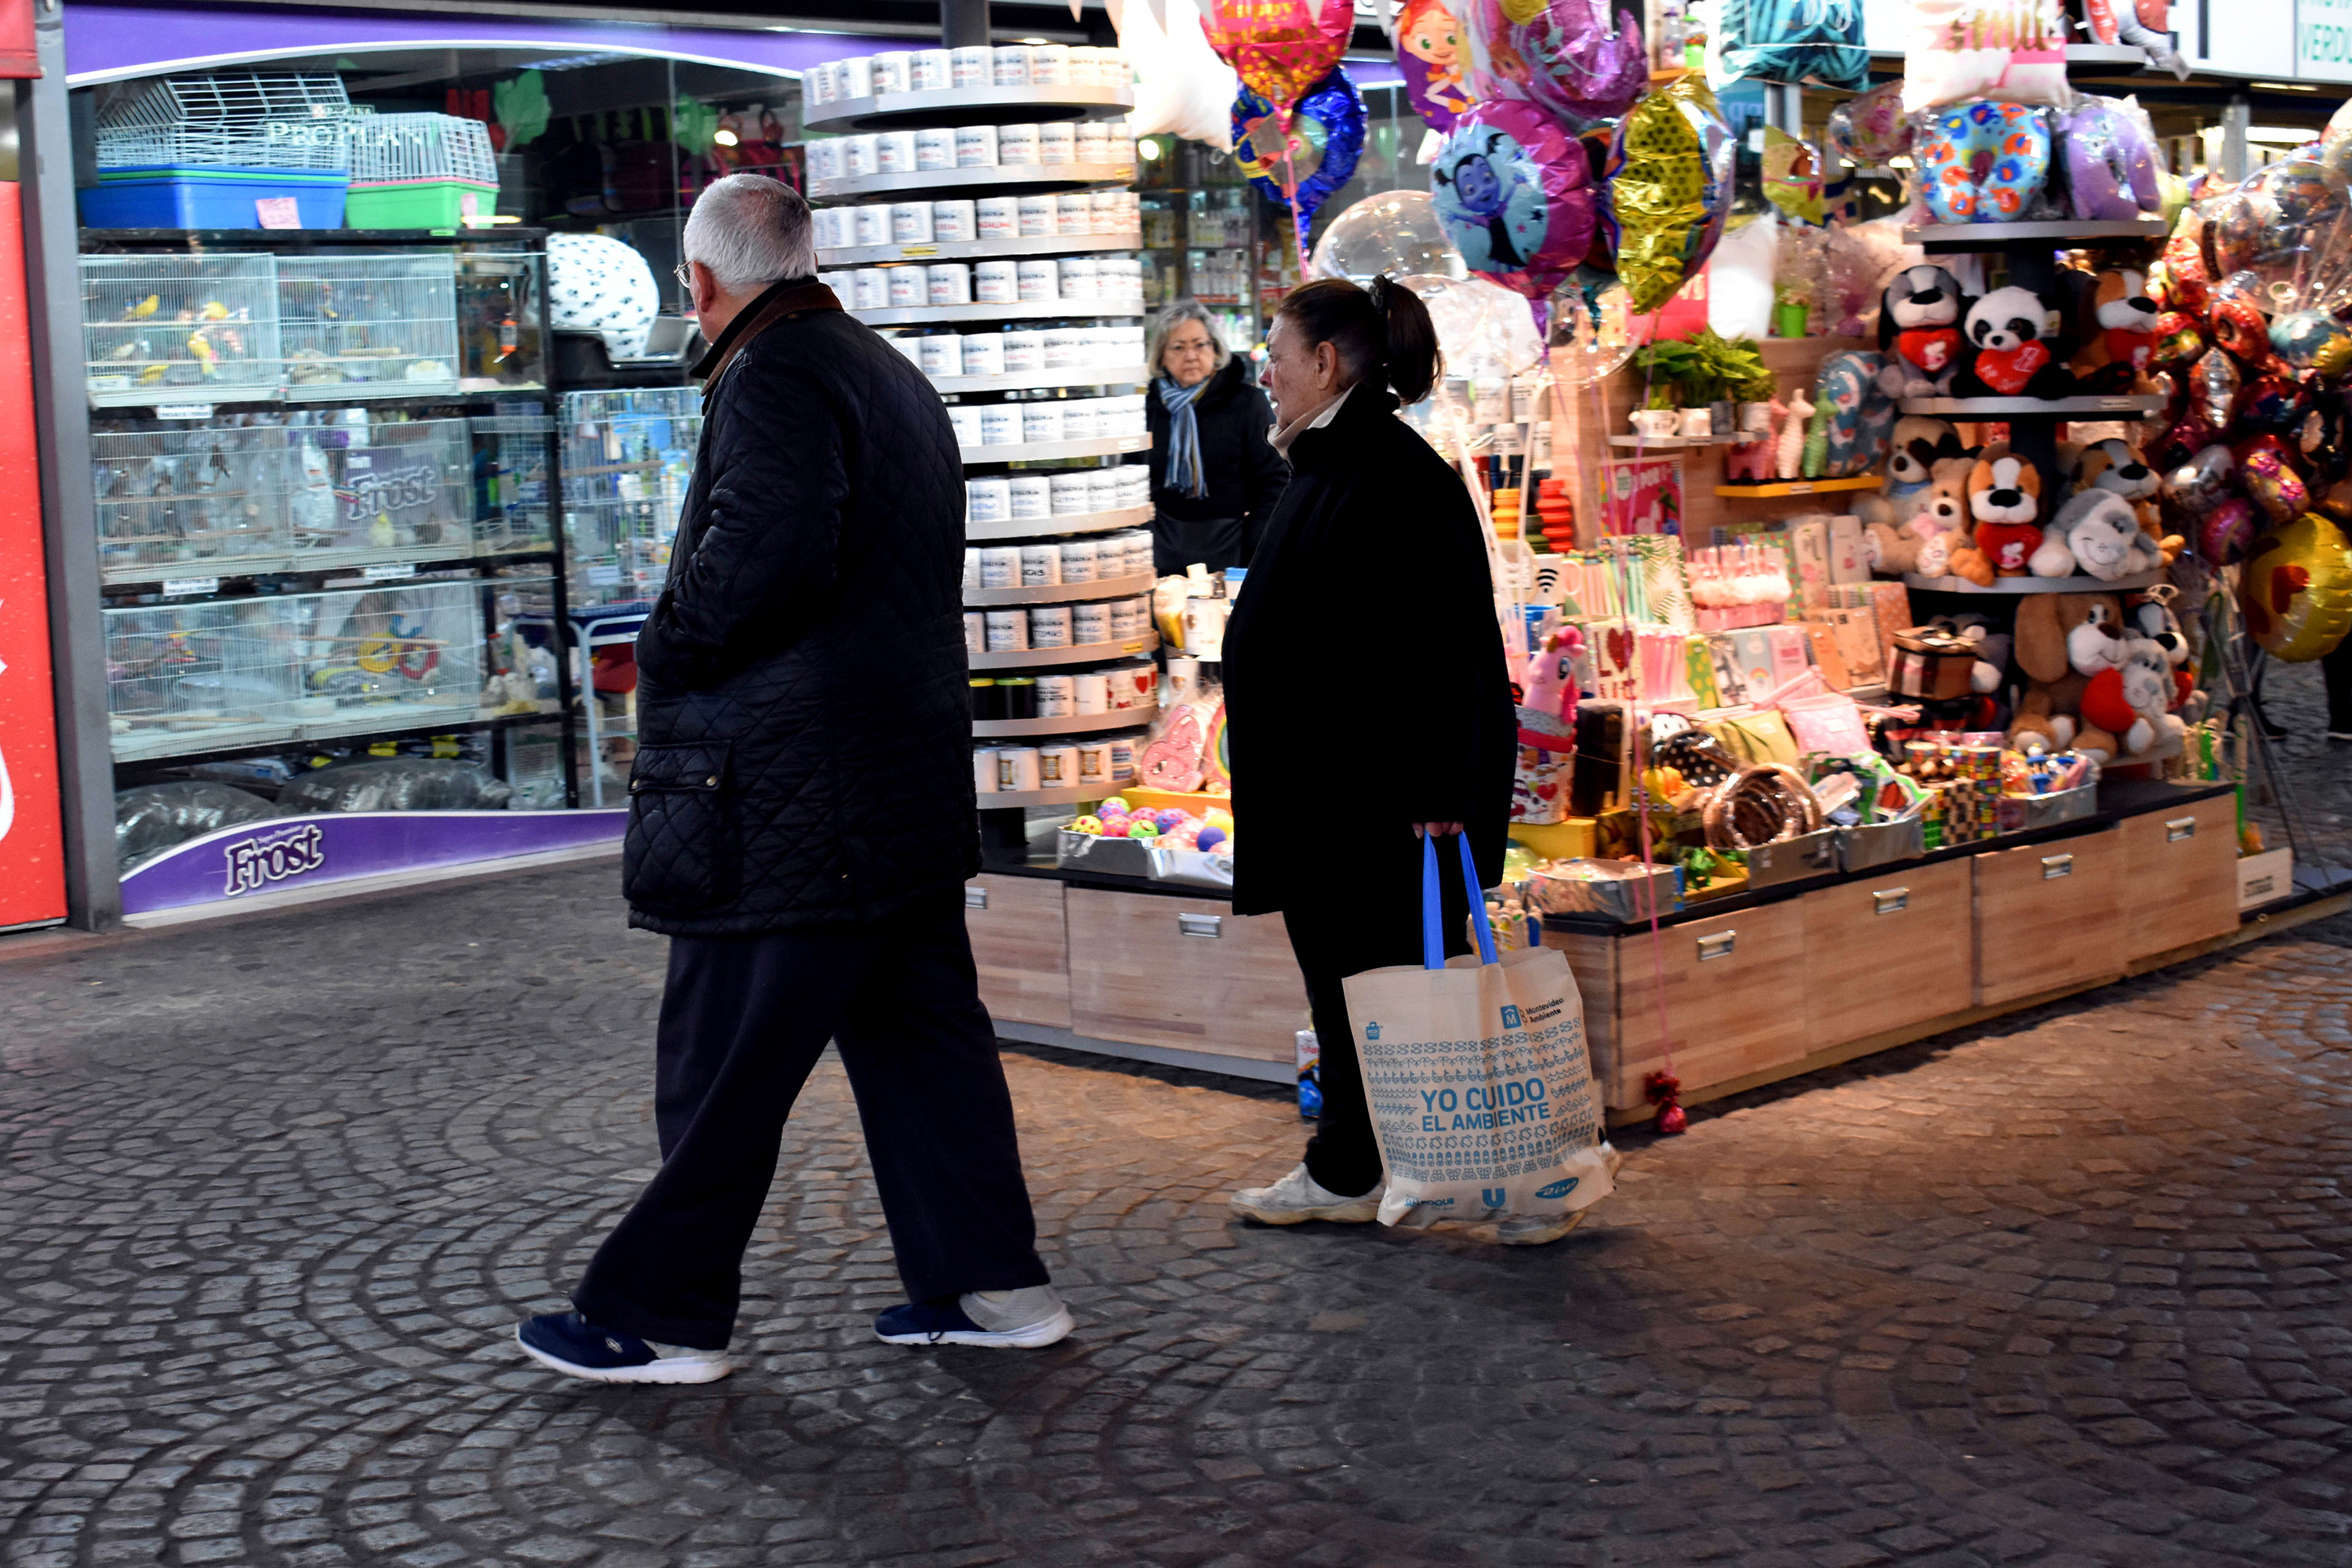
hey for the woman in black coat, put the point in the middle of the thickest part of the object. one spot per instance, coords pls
(1367, 694)
(1213, 478)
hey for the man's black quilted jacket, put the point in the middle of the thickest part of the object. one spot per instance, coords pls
(803, 719)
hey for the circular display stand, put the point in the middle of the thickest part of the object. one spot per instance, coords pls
(1032, 380)
(1085, 653)
(989, 177)
(1018, 310)
(970, 105)
(1045, 451)
(1950, 238)
(981, 250)
(1075, 724)
(1060, 593)
(2124, 584)
(1055, 526)
(2011, 407)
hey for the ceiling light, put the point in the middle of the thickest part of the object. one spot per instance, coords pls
(1148, 149)
(2284, 86)
(723, 136)
(1033, 42)
(2282, 135)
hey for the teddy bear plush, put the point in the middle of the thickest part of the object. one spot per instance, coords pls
(2004, 504)
(1917, 443)
(1939, 522)
(2063, 642)
(2095, 535)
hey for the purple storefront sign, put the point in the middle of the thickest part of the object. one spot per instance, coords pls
(308, 851)
(108, 42)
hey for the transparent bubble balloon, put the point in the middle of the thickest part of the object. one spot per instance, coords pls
(1592, 331)
(1396, 233)
(1484, 329)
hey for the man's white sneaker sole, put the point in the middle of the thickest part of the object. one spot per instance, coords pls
(1036, 1336)
(1355, 1211)
(1530, 1235)
(669, 1369)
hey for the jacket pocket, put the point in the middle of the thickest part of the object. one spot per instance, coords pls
(679, 852)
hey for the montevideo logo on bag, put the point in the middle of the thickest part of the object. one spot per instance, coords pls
(1510, 1017)
(254, 863)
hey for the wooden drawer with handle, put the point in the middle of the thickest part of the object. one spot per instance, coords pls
(1020, 941)
(1735, 992)
(2047, 916)
(1186, 973)
(1888, 950)
(2181, 876)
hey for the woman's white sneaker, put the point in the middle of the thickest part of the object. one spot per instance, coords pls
(1299, 1196)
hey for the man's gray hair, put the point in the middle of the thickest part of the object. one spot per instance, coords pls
(751, 230)
(1174, 315)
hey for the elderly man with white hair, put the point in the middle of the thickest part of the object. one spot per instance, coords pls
(801, 824)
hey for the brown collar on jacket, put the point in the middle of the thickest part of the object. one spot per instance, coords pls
(789, 297)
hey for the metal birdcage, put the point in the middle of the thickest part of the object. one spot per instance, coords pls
(254, 119)
(165, 329)
(368, 326)
(511, 482)
(396, 491)
(194, 677)
(189, 502)
(627, 459)
(398, 149)
(396, 656)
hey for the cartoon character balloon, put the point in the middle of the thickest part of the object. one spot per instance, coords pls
(1580, 59)
(1280, 48)
(1670, 188)
(1326, 136)
(1515, 192)
(1430, 54)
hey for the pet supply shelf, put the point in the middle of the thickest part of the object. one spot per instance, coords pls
(2123, 584)
(1950, 239)
(1799, 487)
(1084, 653)
(1054, 527)
(1038, 380)
(1061, 593)
(1676, 443)
(1041, 451)
(1019, 310)
(981, 250)
(2011, 407)
(992, 177)
(1075, 724)
(1069, 795)
(227, 740)
(968, 106)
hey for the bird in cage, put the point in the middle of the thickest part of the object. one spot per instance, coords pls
(145, 309)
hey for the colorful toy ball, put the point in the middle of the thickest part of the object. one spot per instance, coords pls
(1513, 193)
(1143, 828)
(1116, 802)
(1168, 817)
(1088, 824)
(1115, 827)
(1218, 816)
(1211, 837)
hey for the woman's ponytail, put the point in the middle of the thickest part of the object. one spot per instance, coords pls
(1383, 334)
(1415, 363)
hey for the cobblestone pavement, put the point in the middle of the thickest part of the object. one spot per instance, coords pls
(2070, 1288)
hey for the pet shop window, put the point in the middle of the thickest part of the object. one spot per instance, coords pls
(174, 328)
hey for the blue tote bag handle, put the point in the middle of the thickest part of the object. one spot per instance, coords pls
(1433, 919)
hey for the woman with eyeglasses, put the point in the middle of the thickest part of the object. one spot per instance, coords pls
(1214, 479)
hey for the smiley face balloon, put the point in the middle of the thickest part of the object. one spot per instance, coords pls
(2296, 590)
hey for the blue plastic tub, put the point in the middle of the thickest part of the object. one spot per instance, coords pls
(188, 198)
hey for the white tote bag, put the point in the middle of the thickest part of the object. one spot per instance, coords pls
(1481, 1087)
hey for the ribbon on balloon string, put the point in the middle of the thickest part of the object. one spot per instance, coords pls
(1665, 1086)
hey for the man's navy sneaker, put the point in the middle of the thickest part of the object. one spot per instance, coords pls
(578, 1348)
(1019, 1320)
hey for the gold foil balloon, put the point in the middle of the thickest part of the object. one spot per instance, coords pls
(2295, 589)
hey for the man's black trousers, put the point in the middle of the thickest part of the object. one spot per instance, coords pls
(743, 1019)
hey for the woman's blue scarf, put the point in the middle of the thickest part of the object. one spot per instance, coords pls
(1184, 475)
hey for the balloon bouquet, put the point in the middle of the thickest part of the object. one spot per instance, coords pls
(2255, 445)
(1299, 121)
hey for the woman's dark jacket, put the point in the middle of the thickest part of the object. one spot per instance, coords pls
(804, 724)
(1365, 684)
(1244, 476)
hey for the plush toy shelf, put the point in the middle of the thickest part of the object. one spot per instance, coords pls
(2011, 407)
(1043, 451)
(1053, 527)
(2124, 584)
(971, 105)
(1084, 653)
(1959, 238)
(981, 250)
(1075, 724)
(1061, 593)
(1779, 487)
(1031, 380)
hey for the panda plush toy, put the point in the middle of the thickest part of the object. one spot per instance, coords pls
(2010, 334)
(1920, 333)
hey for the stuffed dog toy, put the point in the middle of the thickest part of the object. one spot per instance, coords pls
(2063, 642)
(2095, 534)
(2004, 501)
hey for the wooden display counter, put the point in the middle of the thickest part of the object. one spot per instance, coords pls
(1757, 987)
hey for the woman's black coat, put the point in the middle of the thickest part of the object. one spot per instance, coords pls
(1365, 683)
(1244, 474)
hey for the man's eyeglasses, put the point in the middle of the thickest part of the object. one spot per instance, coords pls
(684, 273)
